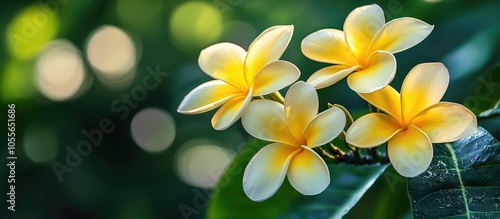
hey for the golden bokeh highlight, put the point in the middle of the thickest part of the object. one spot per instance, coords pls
(30, 31)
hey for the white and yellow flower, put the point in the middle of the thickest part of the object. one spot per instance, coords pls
(413, 120)
(241, 75)
(294, 128)
(363, 52)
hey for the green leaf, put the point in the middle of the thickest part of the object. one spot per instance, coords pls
(485, 96)
(463, 180)
(347, 185)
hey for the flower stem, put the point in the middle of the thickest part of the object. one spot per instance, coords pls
(334, 154)
(276, 96)
(326, 155)
(258, 98)
(342, 137)
(336, 150)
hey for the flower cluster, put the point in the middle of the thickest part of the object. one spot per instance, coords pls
(246, 85)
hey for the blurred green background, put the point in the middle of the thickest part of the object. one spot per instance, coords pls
(117, 70)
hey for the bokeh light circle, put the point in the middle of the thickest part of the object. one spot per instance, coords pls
(153, 129)
(195, 24)
(60, 72)
(200, 162)
(112, 54)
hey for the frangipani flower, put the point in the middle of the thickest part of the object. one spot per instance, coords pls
(413, 120)
(294, 128)
(241, 75)
(365, 47)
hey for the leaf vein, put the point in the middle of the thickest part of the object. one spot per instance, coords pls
(462, 187)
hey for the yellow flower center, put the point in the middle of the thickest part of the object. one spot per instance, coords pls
(404, 127)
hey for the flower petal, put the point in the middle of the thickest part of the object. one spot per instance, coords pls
(328, 45)
(400, 34)
(330, 75)
(360, 28)
(231, 111)
(224, 61)
(378, 73)
(372, 130)
(301, 106)
(410, 152)
(266, 171)
(324, 127)
(266, 48)
(423, 87)
(446, 122)
(386, 99)
(308, 173)
(265, 119)
(274, 77)
(206, 97)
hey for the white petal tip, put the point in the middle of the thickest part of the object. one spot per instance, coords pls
(289, 27)
(317, 190)
(256, 197)
(186, 112)
(220, 128)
